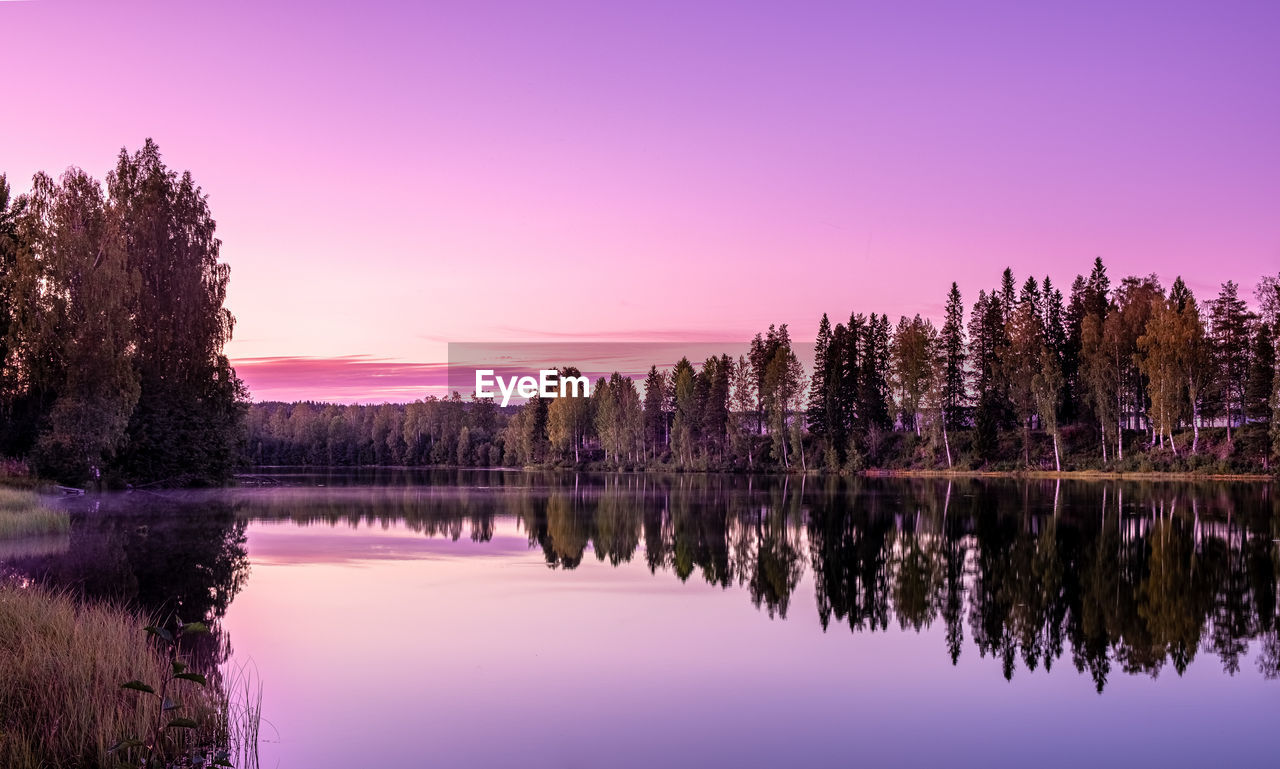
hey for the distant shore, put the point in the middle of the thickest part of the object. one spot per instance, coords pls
(1078, 475)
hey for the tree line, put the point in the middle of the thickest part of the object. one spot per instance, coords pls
(1134, 377)
(112, 329)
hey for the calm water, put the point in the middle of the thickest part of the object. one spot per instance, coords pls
(496, 619)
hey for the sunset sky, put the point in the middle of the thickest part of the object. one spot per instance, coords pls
(389, 177)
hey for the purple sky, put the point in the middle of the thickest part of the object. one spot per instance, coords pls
(388, 177)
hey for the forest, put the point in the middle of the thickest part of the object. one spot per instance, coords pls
(112, 329)
(1126, 378)
(112, 369)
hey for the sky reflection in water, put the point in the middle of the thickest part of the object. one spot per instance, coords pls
(554, 621)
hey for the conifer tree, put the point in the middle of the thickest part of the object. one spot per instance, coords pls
(1230, 320)
(954, 355)
(655, 415)
(816, 413)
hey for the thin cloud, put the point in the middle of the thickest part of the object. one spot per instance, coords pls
(341, 379)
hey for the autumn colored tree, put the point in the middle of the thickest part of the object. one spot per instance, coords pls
(912, 361)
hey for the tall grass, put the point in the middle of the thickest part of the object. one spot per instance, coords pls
(23, 515)
(61, 665)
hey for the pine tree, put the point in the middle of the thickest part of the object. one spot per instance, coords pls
(952, 341)
(685, 419)
(1073, 318)
(1021, 365)
(1229, 331)
(986, 350)
(873, 396)
(816, 413)
(655, 415)
(1262, 369)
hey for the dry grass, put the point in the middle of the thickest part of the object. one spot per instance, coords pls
(23, 515)
(61, 663)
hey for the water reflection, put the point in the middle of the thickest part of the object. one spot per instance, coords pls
(1109, 578)
(170, 557)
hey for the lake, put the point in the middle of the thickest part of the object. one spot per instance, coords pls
(490, 618)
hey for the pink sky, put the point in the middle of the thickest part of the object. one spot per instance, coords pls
(389, 177)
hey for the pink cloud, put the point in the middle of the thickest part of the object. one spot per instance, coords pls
(341, 379)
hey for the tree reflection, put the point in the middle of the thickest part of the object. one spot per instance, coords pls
(1135, 577)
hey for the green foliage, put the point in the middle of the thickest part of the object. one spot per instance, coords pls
(164, 740)
(1037, 384)
(111, 311)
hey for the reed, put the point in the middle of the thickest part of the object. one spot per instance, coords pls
(62, 662)
(22, 514)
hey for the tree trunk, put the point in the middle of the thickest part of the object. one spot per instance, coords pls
(1119, 426)
(1026, 442)
(1057, 459)
(1102, 426)
(804, 466)
(945, 441)
(1195, 423)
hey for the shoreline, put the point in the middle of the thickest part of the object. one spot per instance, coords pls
(1080, 475)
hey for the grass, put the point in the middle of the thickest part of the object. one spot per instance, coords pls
(22, 514)
(61, 663)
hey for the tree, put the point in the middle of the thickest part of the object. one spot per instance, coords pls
(743, 402)
(1229, 332)
(1194, 352)
(781, 395)
(10, 214)
(954, 392)
(569, 418)
(187, 424)
(655, 415)
(873, 379)
(1099, 375)
(912, 356)
(1025, 360)
(816, 414)
(986, 351)
(82, 288)
(685, 421)
(1160, 348)
(1046, 385)
(714, 406)
(1262, 370)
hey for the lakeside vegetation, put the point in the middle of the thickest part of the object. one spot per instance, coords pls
(63, 661)
(1134, 379)
(23, 514)
(112, 328)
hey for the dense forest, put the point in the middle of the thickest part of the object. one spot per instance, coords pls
(1126, 378)
(112, 329)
